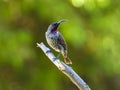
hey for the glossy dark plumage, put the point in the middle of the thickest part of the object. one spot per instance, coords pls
(56, 40)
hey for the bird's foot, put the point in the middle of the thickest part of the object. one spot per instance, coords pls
(48, 51)
(54, 59)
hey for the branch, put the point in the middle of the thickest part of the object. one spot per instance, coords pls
(68, 71)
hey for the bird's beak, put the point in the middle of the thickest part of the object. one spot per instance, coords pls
(59, 22)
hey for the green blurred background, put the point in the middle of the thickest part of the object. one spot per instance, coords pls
(92, 34)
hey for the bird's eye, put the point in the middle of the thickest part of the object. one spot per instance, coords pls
(55, 24)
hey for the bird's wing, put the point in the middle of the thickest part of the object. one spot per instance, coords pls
(62, 42)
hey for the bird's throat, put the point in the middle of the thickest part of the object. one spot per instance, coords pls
(54, 30)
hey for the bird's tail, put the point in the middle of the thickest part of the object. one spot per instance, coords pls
(67, 60)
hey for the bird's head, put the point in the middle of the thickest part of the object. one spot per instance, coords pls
(53, 27)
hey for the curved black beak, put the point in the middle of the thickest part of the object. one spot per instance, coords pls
(59, 22)
(56, 24)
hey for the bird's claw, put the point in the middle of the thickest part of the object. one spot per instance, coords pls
(48, 51)
(54, 59)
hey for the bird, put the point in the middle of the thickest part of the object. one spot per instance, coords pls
(56, 41)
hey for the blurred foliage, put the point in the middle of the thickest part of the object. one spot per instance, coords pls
(92, 34)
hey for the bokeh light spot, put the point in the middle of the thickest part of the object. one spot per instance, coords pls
(78, 3)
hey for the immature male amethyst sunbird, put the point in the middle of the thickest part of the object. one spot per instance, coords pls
(56, 40)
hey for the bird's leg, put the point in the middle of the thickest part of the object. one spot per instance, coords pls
(57, 56)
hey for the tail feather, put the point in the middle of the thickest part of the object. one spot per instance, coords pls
(67, 60)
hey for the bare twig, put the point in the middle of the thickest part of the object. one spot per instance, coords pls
(68, 71)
